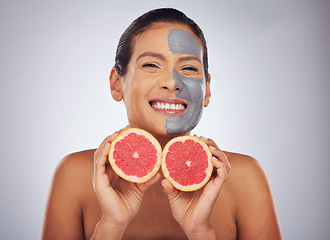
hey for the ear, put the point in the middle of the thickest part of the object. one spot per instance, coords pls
(115, 85)
(207, 92)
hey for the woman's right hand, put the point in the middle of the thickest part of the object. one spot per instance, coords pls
(119, 199)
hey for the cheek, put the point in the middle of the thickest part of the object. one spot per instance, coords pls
(134, 87)
(193, 89)
(196, 91)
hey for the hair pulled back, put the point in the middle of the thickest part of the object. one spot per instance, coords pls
(142, 23)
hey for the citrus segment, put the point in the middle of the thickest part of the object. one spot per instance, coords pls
(186, 163)
(135, 155)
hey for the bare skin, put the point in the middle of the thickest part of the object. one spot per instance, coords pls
(243, 210)
(89, 201)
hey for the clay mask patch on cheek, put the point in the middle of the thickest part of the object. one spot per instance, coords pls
(192, 89)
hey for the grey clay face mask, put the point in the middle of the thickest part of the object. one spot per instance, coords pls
(192, 89)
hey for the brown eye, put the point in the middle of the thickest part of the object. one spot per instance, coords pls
(150, 65)
(190, 69)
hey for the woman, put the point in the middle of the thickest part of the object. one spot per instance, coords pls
(161, 59)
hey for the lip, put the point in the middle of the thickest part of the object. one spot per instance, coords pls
(181, 106)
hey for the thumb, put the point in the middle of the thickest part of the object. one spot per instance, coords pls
(170, 191)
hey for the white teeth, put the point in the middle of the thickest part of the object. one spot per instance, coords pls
(179, 107)
(167, 106)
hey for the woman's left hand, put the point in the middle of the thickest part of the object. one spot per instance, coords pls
(192, 210)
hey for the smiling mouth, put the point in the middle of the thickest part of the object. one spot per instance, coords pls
(168, 107)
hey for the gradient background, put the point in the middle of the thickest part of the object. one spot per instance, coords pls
(269, 62)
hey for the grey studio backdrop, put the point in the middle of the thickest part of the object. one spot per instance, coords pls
(269, 62)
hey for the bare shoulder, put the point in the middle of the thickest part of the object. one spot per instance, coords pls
(245, 168)
(78, 162)
(240, 160)
(74, 174)
(74, 170)
(255, 211)
(247, 177)
(72, 180)
(83, 157)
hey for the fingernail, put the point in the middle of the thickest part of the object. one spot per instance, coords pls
(204, 138)
(212, 147)
(215, 160)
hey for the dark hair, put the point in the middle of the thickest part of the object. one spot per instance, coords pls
(142, 23)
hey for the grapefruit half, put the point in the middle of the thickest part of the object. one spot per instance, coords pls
(135, 155)
(186, 163)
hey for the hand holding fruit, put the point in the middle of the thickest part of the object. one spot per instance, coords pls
(135, 156)
(192, 209)
(119, 199)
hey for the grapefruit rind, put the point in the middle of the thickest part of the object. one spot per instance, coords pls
(208, 170)
(119, 171)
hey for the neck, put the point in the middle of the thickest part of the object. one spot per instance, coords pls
(163, 140)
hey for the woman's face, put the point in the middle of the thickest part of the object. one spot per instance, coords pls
(164, 89)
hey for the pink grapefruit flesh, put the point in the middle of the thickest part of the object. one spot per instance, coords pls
(186, 163)
(135, 155)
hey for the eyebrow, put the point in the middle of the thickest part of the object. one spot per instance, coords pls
(152, 54)
(187, 58)
(162, 57)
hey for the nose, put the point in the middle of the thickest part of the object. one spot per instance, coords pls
(168, 87)
(172, 81)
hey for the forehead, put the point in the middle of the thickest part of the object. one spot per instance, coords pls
(183, 42)
(173, 37)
